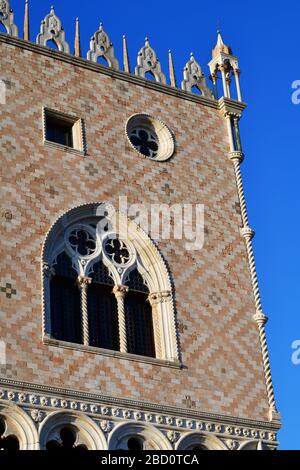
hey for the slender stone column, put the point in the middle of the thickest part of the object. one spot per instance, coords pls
(214, 78)
(83, 283)
(259, 317)
(222, 68)
(228, 84)
(154, 300)
(237, 74)
(120, 293)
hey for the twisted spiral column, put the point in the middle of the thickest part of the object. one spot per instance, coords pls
(120, 293)
(83, 283)
(261, 320)
(247, 233)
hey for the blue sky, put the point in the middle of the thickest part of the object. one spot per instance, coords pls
(266, 40)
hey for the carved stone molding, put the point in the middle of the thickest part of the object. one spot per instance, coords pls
(52, 30)
(101, 46)
(7, 18)
(38, 406)
(147, 61)
(194, 77)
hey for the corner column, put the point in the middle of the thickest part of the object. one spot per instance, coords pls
(247, 233)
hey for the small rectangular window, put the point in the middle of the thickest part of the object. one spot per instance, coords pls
(63, 130)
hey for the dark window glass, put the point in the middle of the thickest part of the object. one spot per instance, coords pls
(65, 302)
(134, 444)
(102, 310)
(59, 131)
(139, 318)
(9, 442)
(66, 442)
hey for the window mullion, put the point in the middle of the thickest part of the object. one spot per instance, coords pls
(83, 283)
(120, 292)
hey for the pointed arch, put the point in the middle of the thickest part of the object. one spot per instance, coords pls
(149, 436)
(102, 224)
(20, 425)
(86, 432)
(203, 440)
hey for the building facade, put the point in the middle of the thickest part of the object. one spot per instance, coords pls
(112, 337)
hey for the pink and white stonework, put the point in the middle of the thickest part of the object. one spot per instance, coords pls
(209, 385)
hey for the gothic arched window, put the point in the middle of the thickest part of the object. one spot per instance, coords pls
(65, 440)
(107, 289)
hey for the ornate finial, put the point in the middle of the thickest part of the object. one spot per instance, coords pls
(194, 77)
(172, 70)
(148, 62)
(101, 46)
(26, 36)
(52, 30)
(77, 45)
(125, 56)
(7, 18)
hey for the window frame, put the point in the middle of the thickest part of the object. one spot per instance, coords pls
(147, 260)
(77, 128)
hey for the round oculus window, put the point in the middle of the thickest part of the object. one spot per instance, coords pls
(150, 137)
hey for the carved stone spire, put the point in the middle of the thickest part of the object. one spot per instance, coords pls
(224, 62)
(26, 35)
(194, 77)
(77, 45)
(52, 30)
(172, 70)
(7, 18)
(101, 46)
(148, 62)
(125, 56)
(221, 47)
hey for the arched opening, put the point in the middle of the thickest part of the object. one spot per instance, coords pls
(102, 310)
(140, 335)
(51, 44)
(7, 442)
(135, 444)
(66, 441)
(150, 76)
(2, 27)
(65, 302)
(101, 60)
(85, 281)
(136, 437)
(196, 90)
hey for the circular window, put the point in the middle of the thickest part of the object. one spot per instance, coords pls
(150, 137)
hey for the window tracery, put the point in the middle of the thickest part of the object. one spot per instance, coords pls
(106, 290)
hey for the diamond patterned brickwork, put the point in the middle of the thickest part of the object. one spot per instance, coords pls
(219, 343)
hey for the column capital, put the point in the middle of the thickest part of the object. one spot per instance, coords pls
(247, 233)
(260, 318)
(83, 281)
(48, 271)
(237, 72)
(236, 155)
(120, 291)
(159, 297)
(274, 416)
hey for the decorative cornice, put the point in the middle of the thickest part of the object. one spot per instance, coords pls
(232, 107)
(48, 396)
(117, 74)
